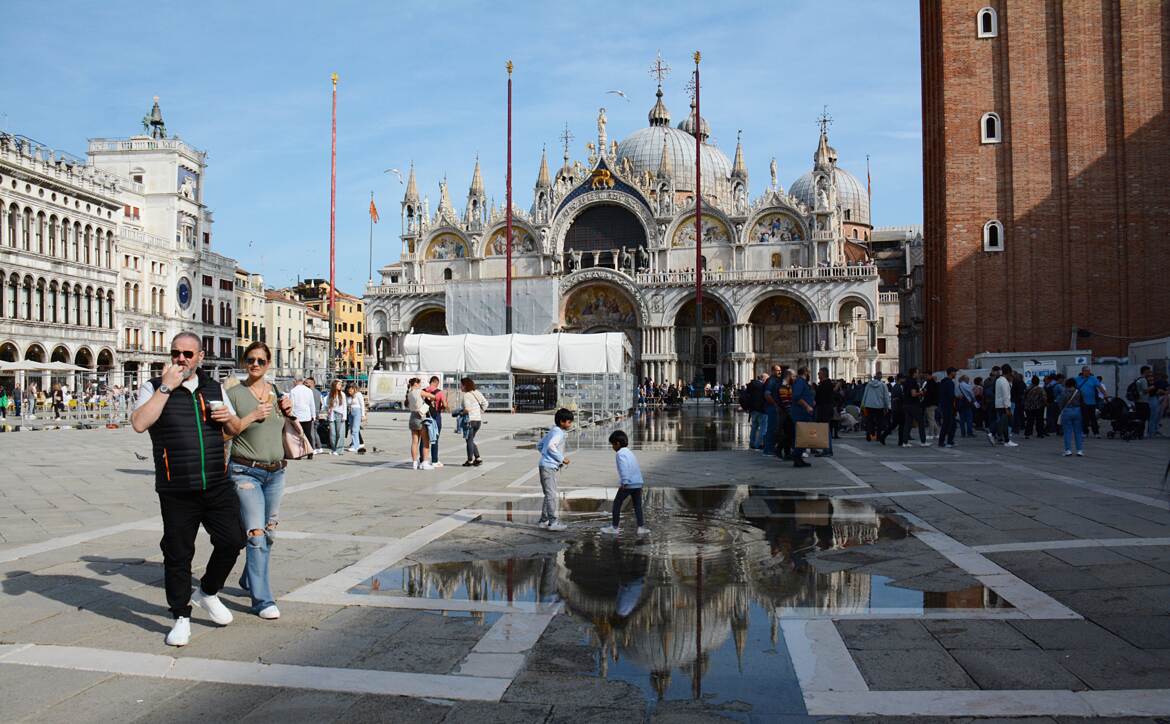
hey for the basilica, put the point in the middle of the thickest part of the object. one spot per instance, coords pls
(787, 274)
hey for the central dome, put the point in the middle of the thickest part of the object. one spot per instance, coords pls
(644, 148)
(851, 194)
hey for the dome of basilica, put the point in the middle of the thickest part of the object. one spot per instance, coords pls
(644, 148)
(851, 195)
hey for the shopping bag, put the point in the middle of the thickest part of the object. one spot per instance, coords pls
(812, 435)
(296, 445)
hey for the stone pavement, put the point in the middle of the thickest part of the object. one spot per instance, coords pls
(899, 583)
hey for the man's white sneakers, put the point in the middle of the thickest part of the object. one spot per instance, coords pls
(1068, 453)
(269, 613)
(426, 466)
(1009, 443)
(180, 634)
(437, 465)
(214, 607)
(643, 531)
(557, 525)
(609, 530)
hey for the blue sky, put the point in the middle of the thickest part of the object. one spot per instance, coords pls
(249, 83)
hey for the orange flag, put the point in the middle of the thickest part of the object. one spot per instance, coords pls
(373, 211)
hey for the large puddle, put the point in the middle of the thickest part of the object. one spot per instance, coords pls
(699, 428)
(693, 610)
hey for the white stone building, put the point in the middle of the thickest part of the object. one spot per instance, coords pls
(172, 281)
(249, 310)
(316, 344)
(787, 275)
(284, 324)
(58, 271)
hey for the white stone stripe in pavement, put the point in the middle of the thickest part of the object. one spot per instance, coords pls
(1048, 545)
(990, 703)
(857, 482)
(356, 681)
(1095, 487)
(340, 582)
(925, 481)
(819, 656)
(65, 541)
(810, 613)
(1025, 598)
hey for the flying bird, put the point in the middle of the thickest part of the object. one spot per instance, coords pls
(141, 457)
(619, 93)
(396, 172)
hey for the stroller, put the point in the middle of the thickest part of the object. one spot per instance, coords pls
(1123, 419)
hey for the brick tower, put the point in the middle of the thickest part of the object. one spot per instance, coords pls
(1046, 152)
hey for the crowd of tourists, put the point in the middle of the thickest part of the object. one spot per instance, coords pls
(1004, 406)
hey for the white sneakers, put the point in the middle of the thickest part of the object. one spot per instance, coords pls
(1009, 443)
(924, 444)
(351, 448)
(426, 466)
(1080, 453)
(269, 613)
(556, 525)
(643, 531)
(609, 530)
(180, 634)
(214, 607)
(1067, 453)
(436, 465)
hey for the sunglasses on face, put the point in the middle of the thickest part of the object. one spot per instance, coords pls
(258, 361)
(175, 353)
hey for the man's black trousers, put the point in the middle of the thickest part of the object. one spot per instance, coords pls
(218, 510)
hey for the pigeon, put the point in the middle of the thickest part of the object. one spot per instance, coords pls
(620, 93)
(141, 457)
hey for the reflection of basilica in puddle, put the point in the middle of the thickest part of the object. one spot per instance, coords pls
(693, 610)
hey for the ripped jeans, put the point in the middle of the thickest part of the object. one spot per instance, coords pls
(259, 492)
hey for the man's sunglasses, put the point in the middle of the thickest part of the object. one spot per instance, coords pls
(258, 361)
(182, 352)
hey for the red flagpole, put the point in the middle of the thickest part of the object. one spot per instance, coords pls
(508, 214)
(698, 355)
(332, 222)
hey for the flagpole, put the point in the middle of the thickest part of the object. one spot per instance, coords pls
(332, 227)
(371, 269)
(698, 354)
(868, 191)
(508, 214)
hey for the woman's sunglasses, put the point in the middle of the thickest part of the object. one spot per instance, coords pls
(258, 361)
(182, 353)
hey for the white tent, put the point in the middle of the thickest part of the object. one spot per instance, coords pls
(604, 352)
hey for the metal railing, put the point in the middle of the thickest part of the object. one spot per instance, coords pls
(374, 289)
(799, 274)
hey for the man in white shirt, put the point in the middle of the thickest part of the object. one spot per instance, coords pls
(1003, 406)
(302, 405)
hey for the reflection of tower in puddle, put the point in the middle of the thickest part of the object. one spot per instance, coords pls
(690, 581)
(512, 579)
(797, 526)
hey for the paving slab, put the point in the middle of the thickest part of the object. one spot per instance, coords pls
(1017, 669)
(492, 713)
(27, 690)
(1117, 669)
(1057, 635)
(911, 670)
(888, 634)
(960, 634)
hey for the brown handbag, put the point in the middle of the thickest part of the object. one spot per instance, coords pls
(296, 445)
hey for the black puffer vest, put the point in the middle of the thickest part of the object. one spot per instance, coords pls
(188, 444)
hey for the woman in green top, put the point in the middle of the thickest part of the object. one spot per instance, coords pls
(257, 469)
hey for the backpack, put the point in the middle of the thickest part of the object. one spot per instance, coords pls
(1131, 392)
(745, 399)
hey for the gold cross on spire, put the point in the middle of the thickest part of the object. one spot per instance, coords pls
(566, 138)
(660, 69)
(825, 120)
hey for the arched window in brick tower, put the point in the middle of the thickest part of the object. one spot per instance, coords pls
(993, 236)
(987, 23)
(990, 128)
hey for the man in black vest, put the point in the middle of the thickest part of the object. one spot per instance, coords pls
(187, 414)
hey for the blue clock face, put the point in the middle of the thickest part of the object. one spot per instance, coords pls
(184, 291)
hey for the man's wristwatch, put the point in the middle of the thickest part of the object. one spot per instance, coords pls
(164, 388)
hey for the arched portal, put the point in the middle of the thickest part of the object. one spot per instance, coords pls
(776, 331)
(600, 307)
(105, 360)
(430, 321)
(600, 231)
(8, 352)
(35, 353)
(84, 358)
(60, 354)
(716, 343)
